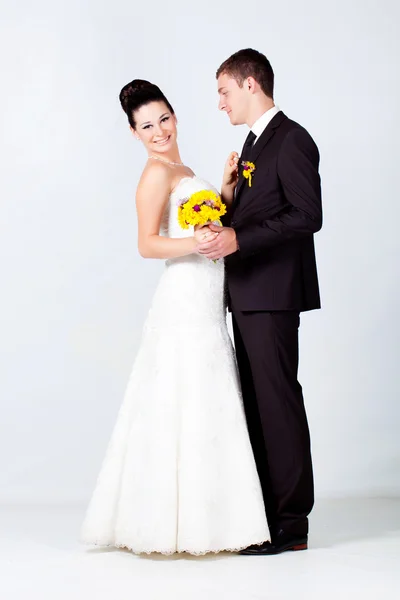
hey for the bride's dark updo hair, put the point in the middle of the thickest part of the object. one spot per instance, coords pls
(136, 94)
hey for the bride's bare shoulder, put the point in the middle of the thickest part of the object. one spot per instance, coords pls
(156, 173)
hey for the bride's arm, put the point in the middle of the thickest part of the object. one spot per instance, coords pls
(229, 180)
(227, 193)
(151, 199)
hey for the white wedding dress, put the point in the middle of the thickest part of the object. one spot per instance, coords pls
(179, 473)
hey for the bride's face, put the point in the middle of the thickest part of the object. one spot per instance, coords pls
(156, 127)
(233, 99)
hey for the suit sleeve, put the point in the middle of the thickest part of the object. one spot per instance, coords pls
(297, 166)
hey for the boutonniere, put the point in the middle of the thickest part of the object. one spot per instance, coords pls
(248, 170)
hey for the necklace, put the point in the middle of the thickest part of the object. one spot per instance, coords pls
(169, 162)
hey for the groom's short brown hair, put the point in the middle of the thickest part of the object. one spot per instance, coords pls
(250, 63)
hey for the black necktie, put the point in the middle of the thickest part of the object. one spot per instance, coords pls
(246, 153)
(248, 145)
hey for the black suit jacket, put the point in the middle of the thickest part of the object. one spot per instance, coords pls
(275, 220)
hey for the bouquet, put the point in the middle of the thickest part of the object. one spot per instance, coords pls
(201, 208)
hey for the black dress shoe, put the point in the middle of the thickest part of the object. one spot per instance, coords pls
(282, 542)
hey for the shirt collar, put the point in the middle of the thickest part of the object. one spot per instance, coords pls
(263, 121)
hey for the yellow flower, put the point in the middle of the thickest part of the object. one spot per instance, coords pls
(248, 170)
(200, 208)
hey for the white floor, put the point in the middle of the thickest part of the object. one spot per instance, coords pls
(354, 553)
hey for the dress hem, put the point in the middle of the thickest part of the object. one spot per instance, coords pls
(170, 552)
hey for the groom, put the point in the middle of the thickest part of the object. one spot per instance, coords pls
(271, 277)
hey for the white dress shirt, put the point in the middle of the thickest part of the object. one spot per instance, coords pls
(263, 121)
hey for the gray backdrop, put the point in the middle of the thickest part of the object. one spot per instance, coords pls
(74, 291)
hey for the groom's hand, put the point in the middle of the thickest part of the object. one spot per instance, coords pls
(223, 245)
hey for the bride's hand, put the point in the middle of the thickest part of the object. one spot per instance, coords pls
(231, 171)
(202, 234)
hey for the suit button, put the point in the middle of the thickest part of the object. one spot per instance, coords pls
(233, 222)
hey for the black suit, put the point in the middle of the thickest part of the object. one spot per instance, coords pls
(270, 280)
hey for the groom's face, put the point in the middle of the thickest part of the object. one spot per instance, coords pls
(233, 99)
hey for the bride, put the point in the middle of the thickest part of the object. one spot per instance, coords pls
(179, 474)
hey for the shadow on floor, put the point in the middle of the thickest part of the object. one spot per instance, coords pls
(341, 520)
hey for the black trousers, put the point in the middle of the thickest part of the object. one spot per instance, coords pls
(267, 353)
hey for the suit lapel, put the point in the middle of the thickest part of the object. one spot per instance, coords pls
(239, 184)
(267, 135)
(258, 147)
